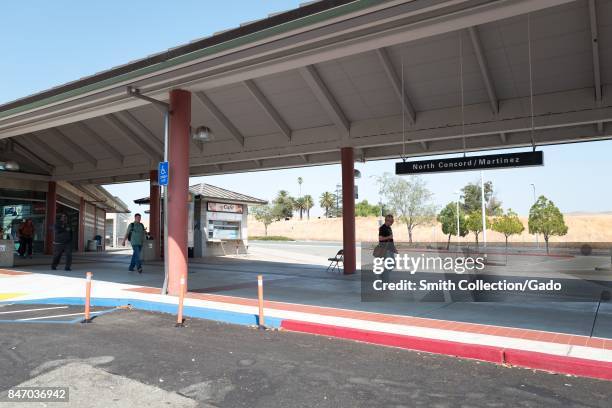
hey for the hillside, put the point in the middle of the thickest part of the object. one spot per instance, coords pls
(582, 228)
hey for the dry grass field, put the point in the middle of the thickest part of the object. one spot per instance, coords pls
(582, 228)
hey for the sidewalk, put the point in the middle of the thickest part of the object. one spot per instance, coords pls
(558, 352)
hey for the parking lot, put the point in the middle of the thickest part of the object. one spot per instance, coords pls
(46, 313)
(134, 358)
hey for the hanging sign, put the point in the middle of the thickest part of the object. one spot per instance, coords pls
(490, 161)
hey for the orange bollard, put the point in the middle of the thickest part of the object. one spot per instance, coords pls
(179, 319)
(87, 297)
(260, 301)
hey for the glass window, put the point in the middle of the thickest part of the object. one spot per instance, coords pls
(223, 229)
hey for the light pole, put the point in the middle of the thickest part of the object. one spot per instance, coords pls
(534, 201)
(483, 208)
(457, 202)
(338, 189)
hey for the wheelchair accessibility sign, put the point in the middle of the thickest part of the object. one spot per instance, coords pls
(162, 174)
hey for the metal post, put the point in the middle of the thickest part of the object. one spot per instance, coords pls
(484, 216)
(88, 277)
(534, 201)
(261, 321)
(165, 108)
(165, 209)
(458, 229)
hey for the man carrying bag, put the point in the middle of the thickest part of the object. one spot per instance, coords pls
(135, 235)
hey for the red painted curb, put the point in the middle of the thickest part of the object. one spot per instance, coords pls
(520, 358)
(559, 364)
(465, 350)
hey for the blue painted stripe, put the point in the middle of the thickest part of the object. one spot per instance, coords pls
(188, 311)
(38, 321)
(94, 314)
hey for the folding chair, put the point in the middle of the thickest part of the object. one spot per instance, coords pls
(336, 261)
(99, 246)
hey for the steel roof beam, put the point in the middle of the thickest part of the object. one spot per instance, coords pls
(595, 44)
(31, 156)
(54, 152)
(484, 69)
(115, 154)
(144, 132)
(268, 108)
(325, 98)
(221, 118)
(72, 145)
(383, 56)
(132, 136)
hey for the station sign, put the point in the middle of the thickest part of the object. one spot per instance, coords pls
(490, 161)
(162, 173)
(225, 207)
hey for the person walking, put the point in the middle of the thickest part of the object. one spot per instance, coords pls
(135, 234)
(26, 238)
(62, 242)
(385, 237)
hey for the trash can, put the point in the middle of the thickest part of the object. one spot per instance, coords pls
(91, 245)
(7, 248)
(148, 250)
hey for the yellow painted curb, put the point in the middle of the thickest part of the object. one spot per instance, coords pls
(5, 296)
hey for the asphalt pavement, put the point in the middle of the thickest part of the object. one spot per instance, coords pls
(134, 358)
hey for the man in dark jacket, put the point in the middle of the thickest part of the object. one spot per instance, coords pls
(62, 242)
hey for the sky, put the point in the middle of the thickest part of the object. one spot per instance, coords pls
(49, 43)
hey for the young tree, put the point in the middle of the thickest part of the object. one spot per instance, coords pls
(283, 205)
(448, 219)
(327, 201)
(265, 215)
(365, 209)
(473, 223)
(409, 198)
(308, 204)
(508, 224)
(546, 219)
(472, 199)
(300, 205)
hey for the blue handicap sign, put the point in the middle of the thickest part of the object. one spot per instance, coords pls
(162, 174)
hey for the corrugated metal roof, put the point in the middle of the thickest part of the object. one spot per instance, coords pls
(215, 193)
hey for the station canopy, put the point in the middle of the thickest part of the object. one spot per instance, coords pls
(384, 77)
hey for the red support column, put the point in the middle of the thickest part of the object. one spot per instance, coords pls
(103, 230)
(154, 212)
(178, 188)
(50, 220)
(348, 210)
(82, 225)
(95, 221)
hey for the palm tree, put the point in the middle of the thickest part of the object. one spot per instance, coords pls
(327, 201)
(300, 205)
(308, 204)
(300, 181)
